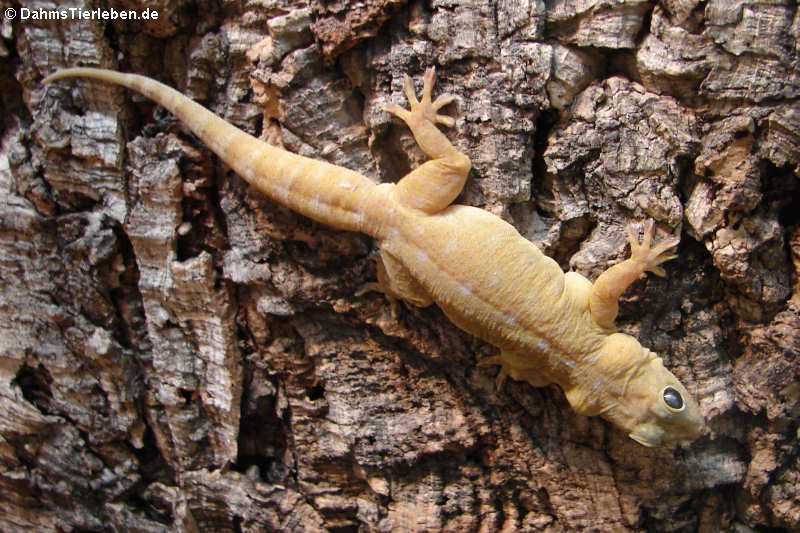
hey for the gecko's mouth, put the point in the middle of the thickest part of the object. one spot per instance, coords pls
(651, 435)
(644, 441)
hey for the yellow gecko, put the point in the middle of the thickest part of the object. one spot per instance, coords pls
(550, 327)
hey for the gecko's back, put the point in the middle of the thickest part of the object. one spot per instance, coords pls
(494, 283)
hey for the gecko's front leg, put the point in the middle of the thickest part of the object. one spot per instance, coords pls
(606, 290)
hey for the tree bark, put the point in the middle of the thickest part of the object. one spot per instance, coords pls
(179, 353)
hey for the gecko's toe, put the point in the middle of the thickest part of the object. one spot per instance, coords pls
(427, 80)
(446, 120)
(396, 110)
(411, 95)
(490, 361)
(665, 245)
(504, 369)
(371, 286)
(501, 377)
(443, 100)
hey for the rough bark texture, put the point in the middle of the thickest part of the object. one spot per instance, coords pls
(178, 353)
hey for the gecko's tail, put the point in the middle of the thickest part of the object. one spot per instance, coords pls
(322, 191)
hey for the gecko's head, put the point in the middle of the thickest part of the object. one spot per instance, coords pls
(651, 404)
(670, 415)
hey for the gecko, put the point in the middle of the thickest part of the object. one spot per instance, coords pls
(550, 327)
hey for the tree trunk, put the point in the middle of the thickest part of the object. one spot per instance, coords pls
(178, 353)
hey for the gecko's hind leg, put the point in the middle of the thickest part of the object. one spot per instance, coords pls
(435, 184)
(513, 365)
(396, 282)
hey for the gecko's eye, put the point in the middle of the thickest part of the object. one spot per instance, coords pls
(673, 399)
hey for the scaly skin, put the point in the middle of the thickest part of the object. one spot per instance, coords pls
(490, 281)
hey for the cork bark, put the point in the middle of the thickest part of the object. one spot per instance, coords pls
(179, 353)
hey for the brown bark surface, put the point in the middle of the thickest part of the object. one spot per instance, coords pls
(178, 353)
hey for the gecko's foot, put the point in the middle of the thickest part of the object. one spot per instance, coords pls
(502, 375)
(376, 286)
(423, 109)
(650, 256)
